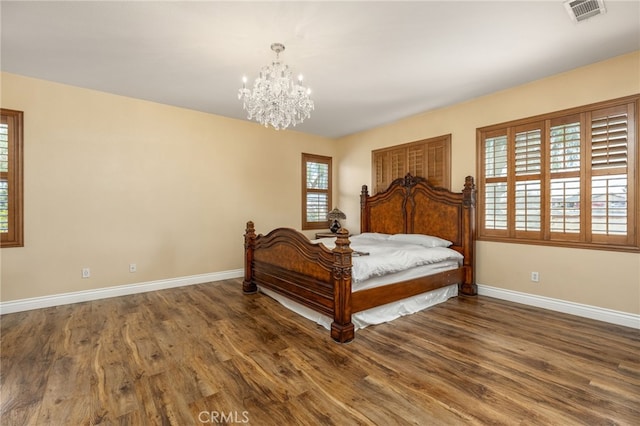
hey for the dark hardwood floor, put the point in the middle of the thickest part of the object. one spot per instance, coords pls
(206, 354)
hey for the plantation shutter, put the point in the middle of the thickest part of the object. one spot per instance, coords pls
(4, 178)
(398, 164)
(609, 172)
(568, 178)
(495, 182)
(11, 185)
(437, 160)
(416, 161)
(316, 191)
(429, 158)
(565, 184)
(527, 159)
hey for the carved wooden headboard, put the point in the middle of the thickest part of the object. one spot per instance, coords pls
(411, 206)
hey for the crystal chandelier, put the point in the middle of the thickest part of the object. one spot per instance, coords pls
(276, 99)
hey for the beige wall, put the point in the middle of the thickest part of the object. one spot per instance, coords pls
(599, 278)
(111, 180)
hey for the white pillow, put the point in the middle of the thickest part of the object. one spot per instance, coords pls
(374, 236)
(421, 239)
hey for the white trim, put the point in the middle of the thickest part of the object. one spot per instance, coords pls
(588, 311)
(593, 312)
(121, 290)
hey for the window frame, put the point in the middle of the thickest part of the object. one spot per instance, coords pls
(14, 176)
(321, 159)
(548, 233)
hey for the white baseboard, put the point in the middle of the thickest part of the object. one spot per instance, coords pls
(587, 311)
(593, 312)
(122, 290)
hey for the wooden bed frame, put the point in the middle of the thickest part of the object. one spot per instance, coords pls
(286, 262)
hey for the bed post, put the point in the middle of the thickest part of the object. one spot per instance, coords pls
(248, 286)
(342, 329)
(364, 212)
(469, 286)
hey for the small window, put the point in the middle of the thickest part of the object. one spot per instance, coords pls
(11, 178)
(316, 191)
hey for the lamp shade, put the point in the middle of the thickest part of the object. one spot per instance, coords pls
(336, 214)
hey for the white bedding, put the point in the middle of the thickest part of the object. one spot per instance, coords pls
(389, 260)
(388, 256)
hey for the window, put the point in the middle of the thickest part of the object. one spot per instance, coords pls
(316, 191)
(11, 178)
(568, 178)
(429, 158)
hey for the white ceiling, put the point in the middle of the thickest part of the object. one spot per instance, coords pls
(367, 62)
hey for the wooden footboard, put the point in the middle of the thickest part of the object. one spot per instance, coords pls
(285, 261)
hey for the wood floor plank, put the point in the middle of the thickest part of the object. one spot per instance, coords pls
(24, 364)
(490, 379)
(70, 399)
(326, 387)
(191, 355)
(455, 384)
(535, 367)
(141, 344)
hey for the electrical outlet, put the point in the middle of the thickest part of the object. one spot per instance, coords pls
(535, 277)
(133, 267)
(86, 272)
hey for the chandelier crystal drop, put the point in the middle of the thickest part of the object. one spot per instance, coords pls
(277, 100)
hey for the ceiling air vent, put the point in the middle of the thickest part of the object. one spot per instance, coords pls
(579, 10)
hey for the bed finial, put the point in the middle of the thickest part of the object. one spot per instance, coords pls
(342, 240)
(364, 194)
(468, 183)
(411, 181)
(469, 192)
(248, 285)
